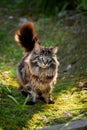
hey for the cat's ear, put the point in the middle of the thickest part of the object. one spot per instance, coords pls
(54, 49)
(37, 48)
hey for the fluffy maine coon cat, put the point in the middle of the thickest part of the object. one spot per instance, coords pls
(38, 69)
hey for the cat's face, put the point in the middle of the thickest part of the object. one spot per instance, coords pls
(43, 57)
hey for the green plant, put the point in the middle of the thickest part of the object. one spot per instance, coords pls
(82, 4)
(20, 107)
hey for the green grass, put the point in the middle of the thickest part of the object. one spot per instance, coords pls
(70, 99)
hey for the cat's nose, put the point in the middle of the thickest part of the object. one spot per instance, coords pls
(45, 62)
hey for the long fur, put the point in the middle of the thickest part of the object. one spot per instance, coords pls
(26, 36)
(38, 70)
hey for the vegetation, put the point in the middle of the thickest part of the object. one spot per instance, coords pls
(46, 7)
(70, 92)
(52, 7)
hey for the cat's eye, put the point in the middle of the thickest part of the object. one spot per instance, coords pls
(49, 61)
(34, 61)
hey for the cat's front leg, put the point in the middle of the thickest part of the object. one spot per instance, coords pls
(32, 97)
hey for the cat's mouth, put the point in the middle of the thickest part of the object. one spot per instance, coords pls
(43, 66)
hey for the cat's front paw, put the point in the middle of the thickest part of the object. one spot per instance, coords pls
(30, 103)
(51, 101)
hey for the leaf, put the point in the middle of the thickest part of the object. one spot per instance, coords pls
(26, 99)
(16, 102)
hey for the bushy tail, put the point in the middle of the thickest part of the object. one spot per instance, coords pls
(26, 36)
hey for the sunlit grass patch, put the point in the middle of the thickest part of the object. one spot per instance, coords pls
(8, 76)
(70, 104)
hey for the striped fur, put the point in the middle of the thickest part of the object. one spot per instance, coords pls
(38, 69)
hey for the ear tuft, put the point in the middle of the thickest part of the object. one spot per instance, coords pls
(55, 49)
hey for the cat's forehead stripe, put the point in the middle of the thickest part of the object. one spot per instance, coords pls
(46, 50)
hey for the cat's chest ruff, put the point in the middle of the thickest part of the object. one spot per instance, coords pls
(41, 80)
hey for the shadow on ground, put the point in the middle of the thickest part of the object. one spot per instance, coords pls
(12, 116)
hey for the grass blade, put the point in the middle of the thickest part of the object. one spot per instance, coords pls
(16, 102)
(24, 104)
